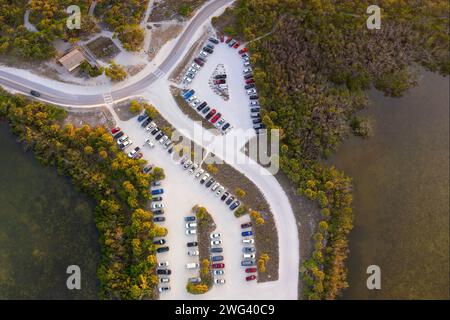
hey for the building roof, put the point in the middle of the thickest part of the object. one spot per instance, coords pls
(72, 60)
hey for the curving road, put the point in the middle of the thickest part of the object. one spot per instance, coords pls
(24, 85)
(286, 286)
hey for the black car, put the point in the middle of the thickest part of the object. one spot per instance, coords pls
(192, 244)
(206, 110)
(35, 93)
(157, 199)
(201, 106)
(210, 46)
(215, 41)
(170, 150)
(256, 121)
(224, 196)
(248, 76)
(142, 117)
(250, 86)
(210, 182)
(220, 76)
(254, 97)
(235, 205)
(163, 271)
(230, 200)
(146, 122)
(120, 134)
(159, 219)
(210, 114)
(254, 110)
(209, 50)
(246, 225)
(225, 126)
(158, 212)
(216, 250)
(160, 241)
(154, 131)
(159, 136)
(162, 249)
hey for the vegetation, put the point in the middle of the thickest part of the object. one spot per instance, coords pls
(90, 157)
(91, 71)
(135, 107)
(311, 66)
(116, 72)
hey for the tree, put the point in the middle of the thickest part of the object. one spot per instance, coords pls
(240, 193)
(135, 107)
(116, 72)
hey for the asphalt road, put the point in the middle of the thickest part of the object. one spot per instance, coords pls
(55, 96)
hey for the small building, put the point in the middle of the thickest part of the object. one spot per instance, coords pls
(72, 60)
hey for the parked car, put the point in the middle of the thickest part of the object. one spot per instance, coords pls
(237, 45)
(247, 71)
(247, 263)
(160, 241)
(203, 54)
(115, 130)
(246, 233)
(250, 270)
(225, 126)
(210, 182)
(249, 81)
(147, 168)
(157, 191)
(248, 249)
(163, 264)
(164, 280)
(193, 253)
(126, 144)
(247, 64)
(157, 205)
(217, 258)
(155, 131)
(216, 117)
(254, 97)
(215, 186)
(220, 123)
(199, 173)
(215, 235)
(235, 205)
(213, 40)
(189, 219)
(163, 289)
(250, 278)
(199, 62)
(142, 117)
(256, 121)
(228, 40)
(146, 123)
(133, 152)
(224, 196)
(216, 242)
(192, 244)
(218, 265)
(222, 38)
(190, 232)
(251, 91)
(218, 272)
(188, 93)
(139, 155)
(164, 271)
(205, 111)
(192, 265)
(220, 76)
(119, 135)
(208, 50)
(195, 66)
(231, 43)
(122, 139)
(216, 250)
(201, 105)
(250, 86)
(204, 178)
(191, 225)
(210, 114)
(162, 249)
(149, 143)
(184, 159)
(230, 200)
(254, 103)
(158, 212)
(187, 164)
(243, 50)
(219, 281)
(255, 109)
(210, 46)
(248, 76)
(220, 81)
(193, 168)
(219, 191)
(159, 136)
(195, 280)
(246, 225)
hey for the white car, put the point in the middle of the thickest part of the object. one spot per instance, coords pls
(218, 272)
(190, 99)
(216, 242)
(220, 123)
(219, 191)
(190, 232)
(193, 253)
(162, 289)
(167, 144)
(192, 70)
(187, 164)
(163, 139)
(122, 139)
(199, 173)
(249, 256)
(219, 281)
(247, 70)
(203, 54)
(194, 103)
(187, 80)
(151, 126)
(193, 168)
(164, 264)
(132, 153)
(204, 178)
(251, 91)
(215, 235)
(215, 186)
(164, 280)
(127, 143)
(254, 103)
(246, 63)
(195, 66)
(248, 241)
(157, 205)
(192, 265)
(150, 143)
(191, 225)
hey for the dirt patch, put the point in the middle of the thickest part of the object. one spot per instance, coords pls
(190, 112)
(103, 48)
(174, 9)
(179, 72)
(226, 24)
(266, 236)
(134, 70)
(92, 117)
(161, 34)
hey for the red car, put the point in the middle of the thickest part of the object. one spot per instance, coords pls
(218, 265)
(115, 130)
(222, 38)
(237, 45)
(250, 278)
(215, 118)
(220, 81)
(249, 81)
(244, 50)
(250, 270)
(228, 40)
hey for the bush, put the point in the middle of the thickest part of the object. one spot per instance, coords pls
(135, 107)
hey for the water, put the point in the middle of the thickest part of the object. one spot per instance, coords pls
(45, 226)
(401, 178)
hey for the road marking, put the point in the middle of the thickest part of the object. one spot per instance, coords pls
(159, 73)
(109, 101)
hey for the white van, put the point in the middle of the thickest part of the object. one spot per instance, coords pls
(192, 265)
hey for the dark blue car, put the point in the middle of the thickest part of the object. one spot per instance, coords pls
(188, 94)
(247, 263)
(247, 233)
(217, 258)
(157, 191)
(142, 117)
(189, 219)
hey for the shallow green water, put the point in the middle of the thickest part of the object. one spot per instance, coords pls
(46, 225)
(401, 178)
